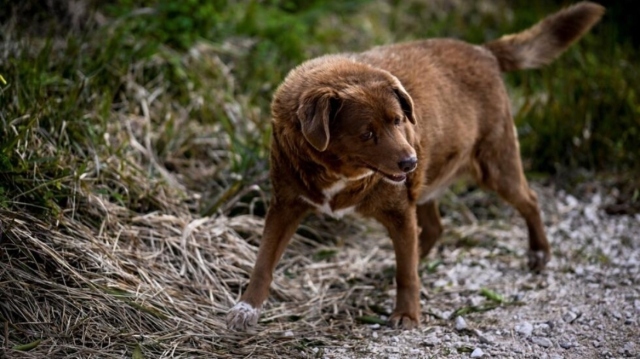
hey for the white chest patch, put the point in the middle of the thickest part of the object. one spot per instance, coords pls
(332, 191)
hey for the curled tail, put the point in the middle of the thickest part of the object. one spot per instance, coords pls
(546, 40)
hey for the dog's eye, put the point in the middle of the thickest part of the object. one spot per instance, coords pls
(397, 121)
(366, 136)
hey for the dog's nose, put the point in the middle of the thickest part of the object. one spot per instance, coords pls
(408, 165)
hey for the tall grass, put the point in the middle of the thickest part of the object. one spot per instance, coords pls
(215, 64)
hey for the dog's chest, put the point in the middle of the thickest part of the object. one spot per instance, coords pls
(340, 198)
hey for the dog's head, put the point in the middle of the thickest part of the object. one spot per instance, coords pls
(366, 125)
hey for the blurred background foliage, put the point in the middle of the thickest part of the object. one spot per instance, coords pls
(201, 72)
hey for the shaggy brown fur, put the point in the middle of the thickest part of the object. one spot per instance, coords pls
(383, 132)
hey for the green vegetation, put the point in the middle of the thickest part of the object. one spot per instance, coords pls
(177, 75)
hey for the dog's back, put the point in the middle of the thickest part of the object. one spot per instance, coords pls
(447, 74)
(457, 88)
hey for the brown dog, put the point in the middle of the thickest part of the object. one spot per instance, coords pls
(383, 132)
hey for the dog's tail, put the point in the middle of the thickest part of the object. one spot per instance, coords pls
(546, 40)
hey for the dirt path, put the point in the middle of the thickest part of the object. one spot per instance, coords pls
(586, 305)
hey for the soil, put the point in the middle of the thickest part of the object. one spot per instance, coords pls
(480, 300)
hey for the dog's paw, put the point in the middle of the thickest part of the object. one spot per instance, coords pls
(404, 321)
(242, 316)
(538, 260)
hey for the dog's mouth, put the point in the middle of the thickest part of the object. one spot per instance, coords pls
(391, 177)
(395, 178)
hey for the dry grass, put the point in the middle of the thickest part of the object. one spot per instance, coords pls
(163, 283)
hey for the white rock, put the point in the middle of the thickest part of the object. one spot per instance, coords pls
(629, 349)
(569, 317)
(543, 342)
(542, 329)
(461, 324)
(571, 201)
(440, 283)
(524, 328)
(477, 353)
(484, 338)
(431, 340)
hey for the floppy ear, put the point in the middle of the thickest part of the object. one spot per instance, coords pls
(406, 103)
(316, 108)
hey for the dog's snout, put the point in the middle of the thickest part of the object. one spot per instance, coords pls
(409, 164)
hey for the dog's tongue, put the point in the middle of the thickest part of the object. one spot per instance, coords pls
(397, 178)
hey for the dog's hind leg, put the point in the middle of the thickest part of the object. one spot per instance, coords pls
(280, 224)
(526, 202)
(431, 227)
(498, 167)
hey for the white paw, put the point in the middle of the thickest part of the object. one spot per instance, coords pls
(242, 316)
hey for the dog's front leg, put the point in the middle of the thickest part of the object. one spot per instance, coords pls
(280, 225)
(403, 230)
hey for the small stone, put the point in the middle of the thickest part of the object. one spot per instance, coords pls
(524, 328)
(571, 201)
(438, 314)
(475, 300)
(616, 314)
(566, 345)
(570, 317)
(629, 349)
(431, 340)
(415, 351)
(375, 326)
(596, 344)
(477, 353)
(288, 333)
(440, 283)
(461, 324)
(543, 342)
(542, 329)
(484, 338)
(374, 334)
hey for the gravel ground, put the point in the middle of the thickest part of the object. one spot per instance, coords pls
(480, 301)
